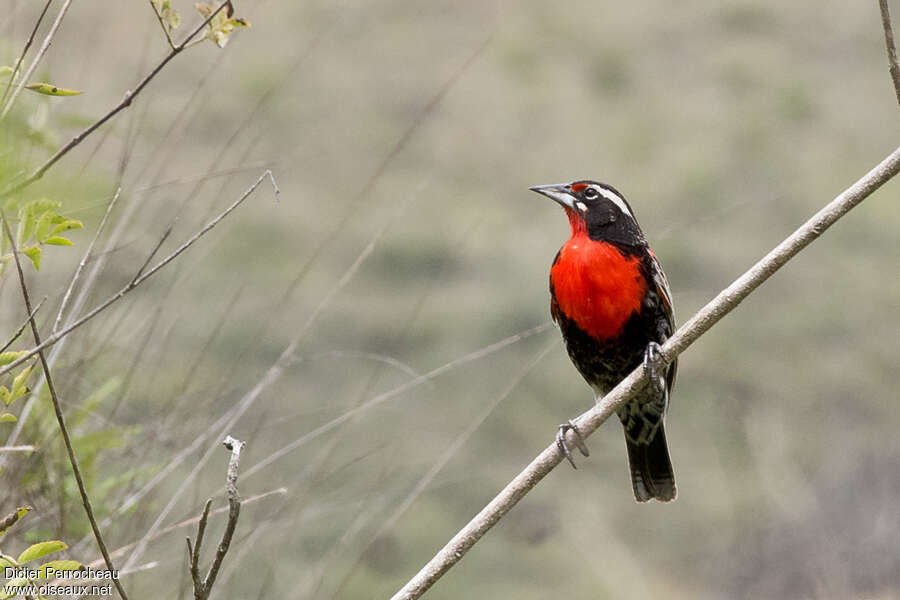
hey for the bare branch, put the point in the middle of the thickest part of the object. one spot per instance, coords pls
(442, 461)
(163, 25)
(202, 589)
(84, 259)
(22, 327)
(57, 409)
(37, 59)
(55, 337)
(889, 42)
(726, 301)
(384, 397)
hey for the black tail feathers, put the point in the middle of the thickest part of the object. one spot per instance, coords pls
(651, 469)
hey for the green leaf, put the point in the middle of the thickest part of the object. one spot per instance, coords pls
(8, 357)
(58, 240)
(26, 225)
(65, 225)
(10, 519)
(42, 228)
(6, 71)
(7, 418)
(36, 551)
(57, 566)
(12, 587)
(5, 396)
(18, 382)
(48, 89)
(34, 253)
(5, 563)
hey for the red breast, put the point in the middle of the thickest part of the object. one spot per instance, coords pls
(596, 285)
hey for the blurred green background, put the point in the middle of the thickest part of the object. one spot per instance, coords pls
(406, 134)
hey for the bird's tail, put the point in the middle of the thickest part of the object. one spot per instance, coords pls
(651, 469)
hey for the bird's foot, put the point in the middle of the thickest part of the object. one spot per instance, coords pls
(654, 369)
(564, 447)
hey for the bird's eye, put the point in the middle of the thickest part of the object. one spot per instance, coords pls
(591, 194)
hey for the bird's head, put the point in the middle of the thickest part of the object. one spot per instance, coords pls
(596, 209)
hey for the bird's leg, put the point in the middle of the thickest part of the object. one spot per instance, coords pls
(579, 441)
(654, 369)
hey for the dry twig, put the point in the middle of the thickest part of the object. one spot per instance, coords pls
(889, 42)
(203, 587)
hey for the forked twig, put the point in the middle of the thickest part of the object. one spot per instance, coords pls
(203, 587)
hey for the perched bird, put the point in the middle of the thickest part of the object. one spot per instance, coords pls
(611, 300)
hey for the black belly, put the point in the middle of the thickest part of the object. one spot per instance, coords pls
(604, 364)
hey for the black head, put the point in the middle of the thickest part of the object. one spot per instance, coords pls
(597, 208)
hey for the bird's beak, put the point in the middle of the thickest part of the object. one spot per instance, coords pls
(560, 192)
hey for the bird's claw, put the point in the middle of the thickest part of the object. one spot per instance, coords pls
(564, 447)
(653, 367)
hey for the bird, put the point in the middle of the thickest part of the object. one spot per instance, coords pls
(612, 303)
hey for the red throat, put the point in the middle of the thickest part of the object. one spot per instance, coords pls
(595, 285)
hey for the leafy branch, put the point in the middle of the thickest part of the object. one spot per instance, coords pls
(126, 101)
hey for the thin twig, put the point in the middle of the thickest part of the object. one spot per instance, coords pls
(57, 409)
(28, 43)
(34, 63)
(153, 252)
(424, 481)
(726, 301)
(55, 337)
(889, 42)
(18, 448)
(84, 259)
(203, 588)
(123, 104)
(22, 327)
(162, 24)
(384, 397)
(187, 522)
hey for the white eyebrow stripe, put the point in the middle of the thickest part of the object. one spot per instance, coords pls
(614, 198)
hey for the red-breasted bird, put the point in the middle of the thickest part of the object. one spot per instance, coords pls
(611, 300)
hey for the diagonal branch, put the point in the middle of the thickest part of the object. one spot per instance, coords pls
(84, 259)
(889, 42)
(726, 301)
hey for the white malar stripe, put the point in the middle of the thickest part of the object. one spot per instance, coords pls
(614, 198)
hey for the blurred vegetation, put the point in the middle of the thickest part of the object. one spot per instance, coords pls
(724, 124)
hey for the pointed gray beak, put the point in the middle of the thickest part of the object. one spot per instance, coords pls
(560, 192)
